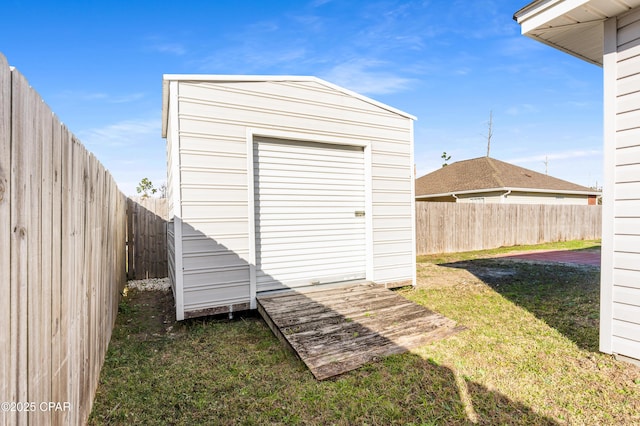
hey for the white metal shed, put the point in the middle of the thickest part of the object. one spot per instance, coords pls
(279, 182)
(607, 33)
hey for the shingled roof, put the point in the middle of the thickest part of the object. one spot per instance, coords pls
(485, 173)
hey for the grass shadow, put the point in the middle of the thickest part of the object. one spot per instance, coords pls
(566, 297)
(214, 370)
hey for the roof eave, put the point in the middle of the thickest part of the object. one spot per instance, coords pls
(540, 12)
(536, 21)
(506, 189)
(565, 50)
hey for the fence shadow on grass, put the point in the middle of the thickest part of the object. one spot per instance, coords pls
(566, 297)
(241, 354)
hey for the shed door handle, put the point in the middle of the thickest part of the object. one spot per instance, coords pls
(359, 213)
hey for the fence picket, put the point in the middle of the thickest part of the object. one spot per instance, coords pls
(7, 388)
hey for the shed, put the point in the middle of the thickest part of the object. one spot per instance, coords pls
(281, 182)
(607, 33)
(488, 180)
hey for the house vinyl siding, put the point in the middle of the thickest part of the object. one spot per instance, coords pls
(608, 34)
(220, 120)
(538, 198)
(621, 288)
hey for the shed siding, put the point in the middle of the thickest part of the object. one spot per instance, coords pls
(625, 296)
(214, 118)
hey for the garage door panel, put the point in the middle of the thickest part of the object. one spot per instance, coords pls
(312, 260)
(346, 205)
(308, 198)
(317, 243)
(312, 175)
(303, 226)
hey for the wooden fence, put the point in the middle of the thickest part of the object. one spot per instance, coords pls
(455, 227)
(62, 262)
(146, 238)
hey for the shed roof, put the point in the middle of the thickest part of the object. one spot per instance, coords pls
(260, 78)
(573, 26)
(488, 174)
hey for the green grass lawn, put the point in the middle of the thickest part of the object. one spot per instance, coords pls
(528, 355)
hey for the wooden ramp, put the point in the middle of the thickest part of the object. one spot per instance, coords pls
(339, 329)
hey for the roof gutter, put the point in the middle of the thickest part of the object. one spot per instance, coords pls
(539, 12)
(508, 191)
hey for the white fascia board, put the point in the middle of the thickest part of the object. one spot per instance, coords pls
(413, 207)
(540, 13)
(165, 107)
(482, 191)
(224, 78)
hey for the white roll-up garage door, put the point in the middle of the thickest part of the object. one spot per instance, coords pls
(309, 213)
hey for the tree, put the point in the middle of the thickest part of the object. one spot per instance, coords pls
(445, 158)
(162, 191)
(145, 187)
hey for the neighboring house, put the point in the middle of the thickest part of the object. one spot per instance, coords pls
(279, 182)
(487, 180)
(607, 33)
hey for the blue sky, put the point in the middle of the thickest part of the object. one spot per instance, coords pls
(99, 66)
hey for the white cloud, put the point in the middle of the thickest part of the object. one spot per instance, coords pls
(563, 155)
(580, 104)
(317, 3)
(173, 48)
(161, 45)
(130, 149)
(365, 76)
(122, 133)
(100, 96)
(521, 109)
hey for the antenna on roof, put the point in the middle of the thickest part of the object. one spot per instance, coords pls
(490, 132)
(546, 164)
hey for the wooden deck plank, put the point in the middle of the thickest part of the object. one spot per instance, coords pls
(341, 329)
(317, 311)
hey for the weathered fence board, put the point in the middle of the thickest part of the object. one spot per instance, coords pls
(147, 237)
(62, 260)
(455, 227)
(6, 387)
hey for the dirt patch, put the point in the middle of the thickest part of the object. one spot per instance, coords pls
(155, 313)
(589, 257)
